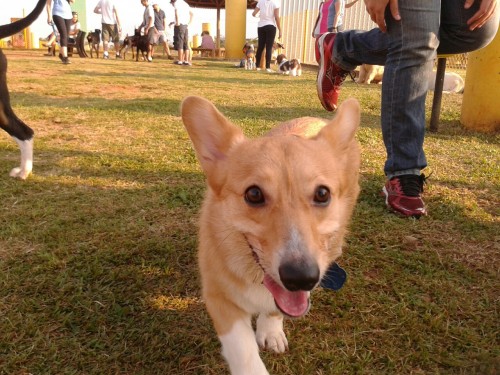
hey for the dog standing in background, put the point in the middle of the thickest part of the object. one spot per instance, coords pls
(249, 52)
(273, 220)
(286, 66)
(13, 125)
(130, 42)
(94, 40)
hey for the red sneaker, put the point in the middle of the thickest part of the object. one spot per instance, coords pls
(330, 76)
(403, 195)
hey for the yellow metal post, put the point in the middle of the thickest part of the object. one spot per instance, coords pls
(480, 109)
(236, 20)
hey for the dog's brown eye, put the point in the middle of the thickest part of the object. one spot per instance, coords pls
(254, 196)
(322, 195)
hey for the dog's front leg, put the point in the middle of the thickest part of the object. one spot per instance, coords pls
(239, 347)
(241, 351)
(270, 334)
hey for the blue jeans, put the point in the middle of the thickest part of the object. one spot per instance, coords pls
(408, 51)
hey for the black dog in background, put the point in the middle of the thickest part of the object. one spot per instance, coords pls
(142, 44)
(94, 40)
(15, 127)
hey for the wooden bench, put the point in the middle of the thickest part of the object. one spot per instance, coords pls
(205, 52)
(78, 44)
(209, 52)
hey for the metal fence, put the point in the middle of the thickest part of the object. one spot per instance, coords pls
(299, 16)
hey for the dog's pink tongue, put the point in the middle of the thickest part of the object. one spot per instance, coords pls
(294, 304)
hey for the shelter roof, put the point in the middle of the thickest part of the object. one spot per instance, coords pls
(214, 4)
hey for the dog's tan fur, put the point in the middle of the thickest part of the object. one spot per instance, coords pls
(244, 246)
(370, 74)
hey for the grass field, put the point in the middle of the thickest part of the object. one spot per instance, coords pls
(98, 269)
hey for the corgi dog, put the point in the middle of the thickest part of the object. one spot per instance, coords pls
(273, 220)
(288, 66)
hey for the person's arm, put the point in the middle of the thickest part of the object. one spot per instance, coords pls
(255, 11)
(485, 12)
(117, 20)
(278, 22)
(49, 11)
(151, 22)
(376, 10)
(337, 14)
(191, 15)
(351, 4)
(98, 9)
(76, 30)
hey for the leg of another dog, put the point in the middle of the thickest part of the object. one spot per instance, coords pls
(24, 170)
(270, 334)
(14, 126)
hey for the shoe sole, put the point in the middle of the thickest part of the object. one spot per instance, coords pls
(321, 73)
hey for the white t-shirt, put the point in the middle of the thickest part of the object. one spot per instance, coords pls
(183, 12)
(107, 7)
(266, 12)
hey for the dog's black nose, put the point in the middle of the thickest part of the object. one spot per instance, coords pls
(299, 275)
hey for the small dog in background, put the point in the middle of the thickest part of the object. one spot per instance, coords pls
(286, 66)
(370, 74)
(453, 83)
(94, 40)
(249, 52)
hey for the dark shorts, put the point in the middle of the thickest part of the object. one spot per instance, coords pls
(183, 42)
(110, 32)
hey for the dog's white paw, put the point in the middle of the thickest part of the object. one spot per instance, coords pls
(19, 173)
(270, 334)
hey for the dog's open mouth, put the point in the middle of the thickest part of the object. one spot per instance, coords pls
(293, 304)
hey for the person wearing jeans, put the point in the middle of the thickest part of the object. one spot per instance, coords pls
(269, 21)
(409, 35)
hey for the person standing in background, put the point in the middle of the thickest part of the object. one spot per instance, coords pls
(336, 15)
(269, 21)
(183, 18)
(161, 27)
(148, 24)
(111, 28)
(59, 13)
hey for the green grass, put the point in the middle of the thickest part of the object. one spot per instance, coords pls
(98, 269)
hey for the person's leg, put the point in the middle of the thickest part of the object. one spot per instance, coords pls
(152, 40)
(454, 34)
(270, 36)
(63, 37)
(105, 40)
(261, 35)
(116, 40)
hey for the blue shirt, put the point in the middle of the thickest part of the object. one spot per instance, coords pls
(62, 9)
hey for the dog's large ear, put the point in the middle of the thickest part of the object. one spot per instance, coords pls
(211, 133)
(341, 129)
